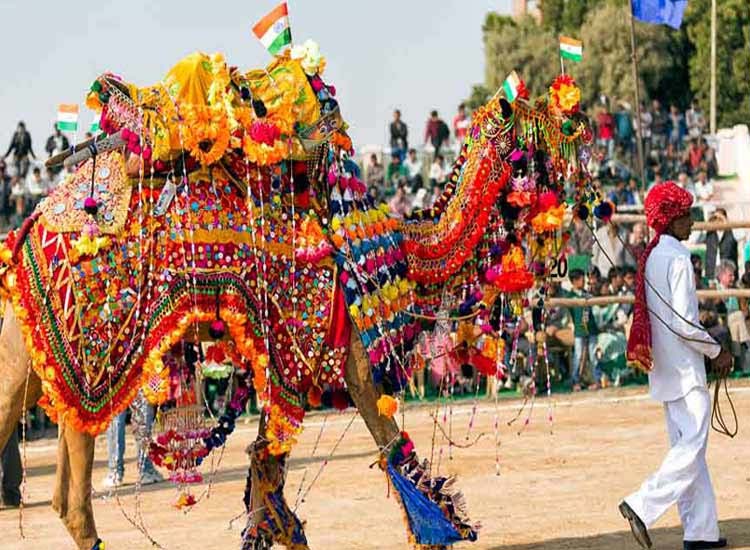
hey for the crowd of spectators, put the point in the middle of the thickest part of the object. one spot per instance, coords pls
(24, 180)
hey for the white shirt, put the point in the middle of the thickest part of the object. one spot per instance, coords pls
(704, 191)
(413, 168)
(678, 359)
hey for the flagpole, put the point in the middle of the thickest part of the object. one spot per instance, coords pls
(713, 68)
(638, 128)
(562, 65)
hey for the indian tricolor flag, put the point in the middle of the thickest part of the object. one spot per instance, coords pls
(273, 30)
(511, 85)
(67, 117)
(570, 48)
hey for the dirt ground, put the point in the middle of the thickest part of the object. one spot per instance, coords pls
(557, 489)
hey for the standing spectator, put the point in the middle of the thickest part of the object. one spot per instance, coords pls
(437, 171)
(414, 170)
(645, 123)
(18, 198)
(12, 471)
(605, 128)
(20, 146)
(608, 248)
(396, 174)
(56, 144)
(720, 245)
(585, 331)
(460, 126)
(624, 128)
(399, 135)
(659, 126)
(695, 121)
(375, 174)
(5, 188)
(436, 132)
(142, 420)
(677, 127)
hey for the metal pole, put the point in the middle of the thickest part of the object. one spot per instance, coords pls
(713, 67)
(638, 129)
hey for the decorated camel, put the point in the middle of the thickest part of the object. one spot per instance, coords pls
(224, 205)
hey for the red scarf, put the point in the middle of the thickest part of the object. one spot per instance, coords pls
(664, 203)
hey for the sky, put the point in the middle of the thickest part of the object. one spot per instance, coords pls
(414, 55)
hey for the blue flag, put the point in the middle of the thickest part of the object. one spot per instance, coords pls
(667, 12)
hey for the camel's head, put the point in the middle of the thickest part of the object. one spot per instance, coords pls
(209, 110)
(499, 228)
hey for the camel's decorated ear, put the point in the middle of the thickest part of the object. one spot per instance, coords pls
(505, 108)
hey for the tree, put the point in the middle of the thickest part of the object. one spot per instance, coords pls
(607, 65)
(532, 50)
(520, 45)
(480, 95)
(732, 57)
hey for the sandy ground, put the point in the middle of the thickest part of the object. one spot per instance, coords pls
(557, 489)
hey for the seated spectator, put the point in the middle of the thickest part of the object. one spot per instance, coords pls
(614, 281)
(595, 279)
(437, 171)
(628, 279)
(413, 168)
(697, 262)
(695, 155)
(634, 193)
(399, 203)
(582, 240)
(609, 249)
(375, 174)
(396, 173)
(585, 331)
(720, 245)
(725, 278)
(637, 243)
(19, 214)
(619, 195)
(37, 185)
(421, 199)
(683, 180)
(704, 188)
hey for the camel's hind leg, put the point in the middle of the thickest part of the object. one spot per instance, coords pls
(17, 380)
(365, 394)
(72, 498)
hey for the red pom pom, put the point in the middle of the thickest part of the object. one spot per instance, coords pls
(90, 206)
(217, 329)
(340, 400)
(314, 397)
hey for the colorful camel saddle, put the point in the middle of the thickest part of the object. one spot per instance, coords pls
(97, 321)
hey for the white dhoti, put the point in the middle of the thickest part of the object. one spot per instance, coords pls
(683, 477)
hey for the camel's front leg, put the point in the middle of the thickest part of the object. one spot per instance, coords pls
(17, 381)
(72, 498)
(365, 394)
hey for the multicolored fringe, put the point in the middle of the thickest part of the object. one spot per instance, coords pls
(270, 520)
(373, 273)
(434, 509)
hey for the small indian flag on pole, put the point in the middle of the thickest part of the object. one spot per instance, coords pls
(67, 117)
(572, 49)
(511, 86)
(273, 30)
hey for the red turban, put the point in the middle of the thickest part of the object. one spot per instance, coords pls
(664, 203)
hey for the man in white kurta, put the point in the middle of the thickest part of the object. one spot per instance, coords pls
(678, 380)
